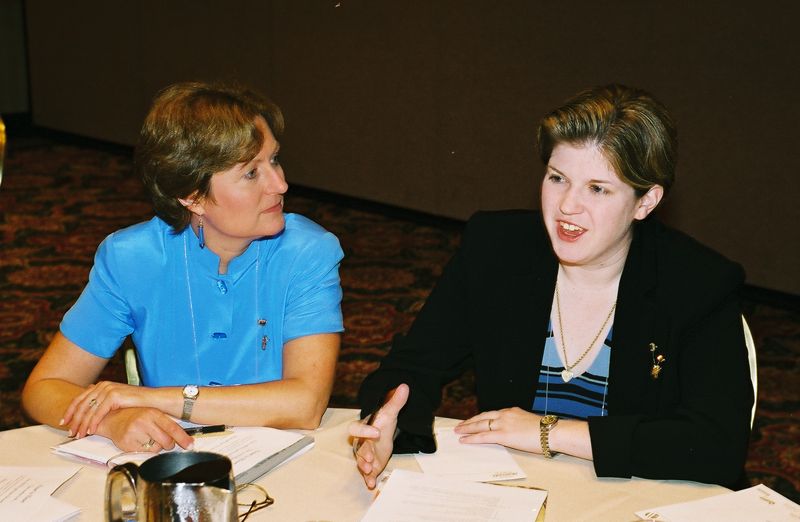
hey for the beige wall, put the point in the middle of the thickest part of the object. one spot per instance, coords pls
(432, 105)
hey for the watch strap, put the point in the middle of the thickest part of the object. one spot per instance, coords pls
(188, 402)
(545, 425)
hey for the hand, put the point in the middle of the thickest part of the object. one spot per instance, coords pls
(143, 429)
(377, 440)
(511, 427)
(89, 408)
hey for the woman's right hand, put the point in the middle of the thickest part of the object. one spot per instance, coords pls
(143, 429)
(374, 441)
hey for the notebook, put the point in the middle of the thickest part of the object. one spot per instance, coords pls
(253, 450)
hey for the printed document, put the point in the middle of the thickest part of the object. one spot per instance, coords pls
(25, 493)
(408, 496)
(476, 462)
(756, 504)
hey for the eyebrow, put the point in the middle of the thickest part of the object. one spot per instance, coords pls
(595, 181)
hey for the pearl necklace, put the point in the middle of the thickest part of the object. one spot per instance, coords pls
(567, 374)
(261, 322)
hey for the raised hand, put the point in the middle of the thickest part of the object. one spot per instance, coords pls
(373, 441)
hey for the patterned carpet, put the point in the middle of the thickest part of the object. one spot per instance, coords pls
(60, 198)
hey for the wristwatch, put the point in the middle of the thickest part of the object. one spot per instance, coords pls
(190, 393)
(546, 424)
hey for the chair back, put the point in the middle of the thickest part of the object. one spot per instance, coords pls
(2, 147)
(131, 366)
(751, 354)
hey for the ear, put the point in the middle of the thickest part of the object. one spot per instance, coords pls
(649, 201)
(193, 204)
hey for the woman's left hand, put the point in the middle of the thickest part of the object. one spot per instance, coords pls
(90, 407)
(511, 427)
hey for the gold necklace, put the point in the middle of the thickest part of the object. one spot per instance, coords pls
(567, 374)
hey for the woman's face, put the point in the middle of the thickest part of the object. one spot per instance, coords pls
(588, 210)
(246, 201)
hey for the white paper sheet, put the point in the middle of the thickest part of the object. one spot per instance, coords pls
(756, 504)
(408, 496)
(476, 462)
(25, 493)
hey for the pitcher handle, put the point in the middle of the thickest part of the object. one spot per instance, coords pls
(121, 493)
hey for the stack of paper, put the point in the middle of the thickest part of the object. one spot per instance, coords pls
(25, 493)
(408, 496)
(450, 489)
(756, 504)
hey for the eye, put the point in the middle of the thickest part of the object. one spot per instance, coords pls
(597, 189)
(251, 174)
(275, 161)
(555, 178)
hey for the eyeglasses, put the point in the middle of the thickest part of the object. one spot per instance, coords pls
(252, 497)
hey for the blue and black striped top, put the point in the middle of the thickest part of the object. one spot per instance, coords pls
(584, 395)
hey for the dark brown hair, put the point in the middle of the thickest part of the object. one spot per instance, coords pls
(194, 130)
(634, 131)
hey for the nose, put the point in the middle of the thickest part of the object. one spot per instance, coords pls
(276, 181)
(570, 202)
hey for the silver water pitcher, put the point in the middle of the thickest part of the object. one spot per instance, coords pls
(173, 487)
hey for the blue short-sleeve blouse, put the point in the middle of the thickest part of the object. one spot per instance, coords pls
(191, 324)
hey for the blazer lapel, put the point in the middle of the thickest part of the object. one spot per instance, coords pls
(631, 385)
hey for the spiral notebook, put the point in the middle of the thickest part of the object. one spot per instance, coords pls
(252, 450)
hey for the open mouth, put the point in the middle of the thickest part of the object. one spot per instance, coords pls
(569, 231)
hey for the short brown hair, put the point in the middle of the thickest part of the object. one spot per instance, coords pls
(634, 131)
(194, 130)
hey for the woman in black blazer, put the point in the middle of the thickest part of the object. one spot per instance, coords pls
(593, 329)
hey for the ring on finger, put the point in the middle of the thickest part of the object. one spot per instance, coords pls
(149, 444)
(490, 424)
(93, 403)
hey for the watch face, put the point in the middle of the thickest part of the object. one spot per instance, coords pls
(190, 391)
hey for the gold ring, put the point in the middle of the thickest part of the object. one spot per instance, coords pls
(149, 444)
(490, 424)
(93, 403)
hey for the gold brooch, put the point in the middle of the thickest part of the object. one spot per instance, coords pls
(658, 360)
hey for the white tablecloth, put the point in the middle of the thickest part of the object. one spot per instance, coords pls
(323, 484)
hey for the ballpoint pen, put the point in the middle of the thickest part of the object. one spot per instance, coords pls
(200, 430)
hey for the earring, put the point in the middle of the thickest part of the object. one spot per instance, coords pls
(200, 236)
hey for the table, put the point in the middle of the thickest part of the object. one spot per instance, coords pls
(323, 484)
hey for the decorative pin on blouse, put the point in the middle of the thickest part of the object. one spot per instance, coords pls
(264, 339)
(658, 360)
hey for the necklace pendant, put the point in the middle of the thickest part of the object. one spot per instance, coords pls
(567, 375)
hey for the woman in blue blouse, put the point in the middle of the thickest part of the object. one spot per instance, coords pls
(233, 306)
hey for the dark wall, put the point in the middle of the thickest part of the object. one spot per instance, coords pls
(433, 105)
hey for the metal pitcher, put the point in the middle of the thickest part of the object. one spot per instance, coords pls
(174, 487)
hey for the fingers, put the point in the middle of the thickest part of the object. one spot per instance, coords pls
(488, 421)
(89, 408)
(367, 465)
(360, 430)
(172, 433)
(75, 406)
(485, 437)
(397, 399)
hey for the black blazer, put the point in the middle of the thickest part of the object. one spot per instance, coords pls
(490, 310)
